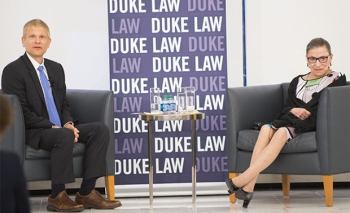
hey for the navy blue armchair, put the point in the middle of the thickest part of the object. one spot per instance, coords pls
(86, 106)
(324, 152)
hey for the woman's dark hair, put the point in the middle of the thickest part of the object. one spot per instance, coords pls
(5, 114)
(318, 42)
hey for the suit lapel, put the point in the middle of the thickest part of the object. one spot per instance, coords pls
(34, 76)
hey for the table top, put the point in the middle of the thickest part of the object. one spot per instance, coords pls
(168, 117)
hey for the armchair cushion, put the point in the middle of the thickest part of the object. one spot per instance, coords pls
(31, 153)
(305, 142)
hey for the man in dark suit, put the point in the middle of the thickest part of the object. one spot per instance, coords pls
(40, 86)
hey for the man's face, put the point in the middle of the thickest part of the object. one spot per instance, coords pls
(36, 41)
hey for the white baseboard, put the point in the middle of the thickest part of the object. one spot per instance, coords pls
(172, 189)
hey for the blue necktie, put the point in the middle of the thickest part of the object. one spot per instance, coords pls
(50, 103)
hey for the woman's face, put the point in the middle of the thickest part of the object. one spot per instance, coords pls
(319, 60)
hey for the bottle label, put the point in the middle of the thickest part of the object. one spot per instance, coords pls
(164, 107)
(168, 104)
(172, 107)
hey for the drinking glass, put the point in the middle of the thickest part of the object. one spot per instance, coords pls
(181, 100)
(190, 99)
(155, 100)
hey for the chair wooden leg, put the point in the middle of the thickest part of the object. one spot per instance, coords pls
(109, 181)
(232, 196)
(328, 189)
(286, 184)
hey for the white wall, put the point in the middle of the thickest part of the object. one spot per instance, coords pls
(278, 32)
(234, 43)
(79, 32)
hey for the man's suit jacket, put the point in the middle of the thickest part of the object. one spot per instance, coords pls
(20, 78)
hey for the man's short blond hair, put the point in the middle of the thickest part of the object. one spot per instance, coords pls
(35, 23)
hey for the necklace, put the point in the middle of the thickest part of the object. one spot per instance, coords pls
(315, 83)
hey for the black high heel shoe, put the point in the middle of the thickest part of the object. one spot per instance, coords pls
(245, 196)
(232, 188)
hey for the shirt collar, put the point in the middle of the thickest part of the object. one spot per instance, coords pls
(34, 62)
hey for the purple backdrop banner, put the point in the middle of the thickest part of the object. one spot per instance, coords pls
(168, 44)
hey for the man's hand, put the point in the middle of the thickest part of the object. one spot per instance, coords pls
(75, 130)
(300, 113)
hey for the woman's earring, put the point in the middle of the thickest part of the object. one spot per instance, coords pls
(330, 64)
(308, 65)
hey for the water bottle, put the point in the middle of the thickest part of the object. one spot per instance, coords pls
(164, 106)
(172, 104)
(168, 104)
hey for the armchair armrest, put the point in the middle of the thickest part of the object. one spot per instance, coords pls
(14, 137)
(95, 106)
(333, 130)
(91, 105)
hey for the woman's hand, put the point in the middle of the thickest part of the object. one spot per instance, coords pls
(300, 113)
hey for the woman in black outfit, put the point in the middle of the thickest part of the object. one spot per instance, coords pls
(298, 116)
